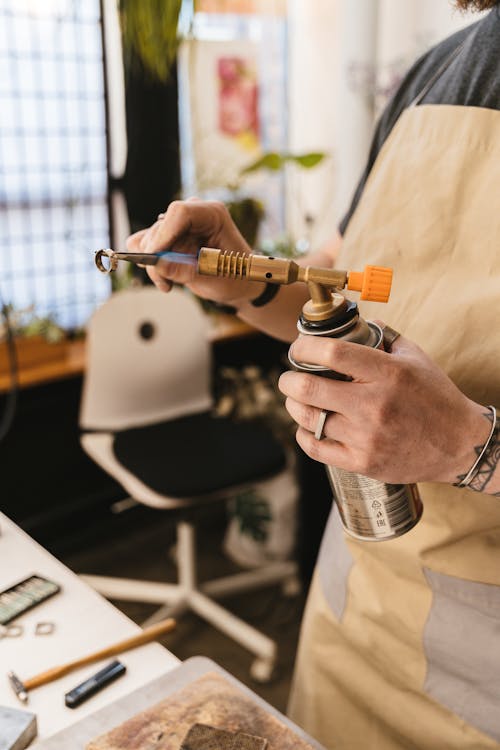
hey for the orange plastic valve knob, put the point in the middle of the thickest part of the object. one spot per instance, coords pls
(374, 283)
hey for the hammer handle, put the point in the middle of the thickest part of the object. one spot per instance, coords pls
(146, 636)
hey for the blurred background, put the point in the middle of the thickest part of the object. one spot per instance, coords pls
(109, 110)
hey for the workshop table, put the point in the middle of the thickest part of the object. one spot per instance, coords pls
(84, 622)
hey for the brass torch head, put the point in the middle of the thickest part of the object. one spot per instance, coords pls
(374, 283)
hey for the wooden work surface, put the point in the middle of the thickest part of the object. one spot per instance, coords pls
(40, 362)
(197, 691)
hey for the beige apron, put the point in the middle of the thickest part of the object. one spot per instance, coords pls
(400, 645)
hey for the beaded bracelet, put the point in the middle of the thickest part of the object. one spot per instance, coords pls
(476, 466)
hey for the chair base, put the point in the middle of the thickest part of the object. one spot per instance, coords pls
(188, 595)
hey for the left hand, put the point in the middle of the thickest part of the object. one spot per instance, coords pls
(400, 420)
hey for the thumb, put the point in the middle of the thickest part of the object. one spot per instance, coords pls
(395, 342)
(389, 335)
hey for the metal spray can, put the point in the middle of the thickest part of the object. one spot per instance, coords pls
(370, 510)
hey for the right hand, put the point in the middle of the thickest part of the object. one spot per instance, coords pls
(186, 227)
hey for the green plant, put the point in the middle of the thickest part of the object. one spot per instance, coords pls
(46, 327)
(247, 213)
(275, 161)
(26, 323)
(149, 35)
(253, 514)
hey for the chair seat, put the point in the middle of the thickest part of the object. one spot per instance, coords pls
(198, 454)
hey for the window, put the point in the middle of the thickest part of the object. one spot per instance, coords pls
(53, 157)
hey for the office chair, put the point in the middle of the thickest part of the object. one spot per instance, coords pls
(147, 421)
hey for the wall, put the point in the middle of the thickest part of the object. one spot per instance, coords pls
(345, 56)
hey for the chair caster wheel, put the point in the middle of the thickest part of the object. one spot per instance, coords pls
(261, 670)
(291, 587)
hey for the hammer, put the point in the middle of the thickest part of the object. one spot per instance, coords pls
(21, 688)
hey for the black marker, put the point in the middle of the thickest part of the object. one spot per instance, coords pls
(81, 692)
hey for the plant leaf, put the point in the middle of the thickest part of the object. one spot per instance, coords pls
(307, 160)
(275, 161)
(271, 160)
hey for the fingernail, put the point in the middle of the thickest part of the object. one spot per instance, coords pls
(282, 380)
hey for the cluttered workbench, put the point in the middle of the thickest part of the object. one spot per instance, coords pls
(160, 703)
(81, 621)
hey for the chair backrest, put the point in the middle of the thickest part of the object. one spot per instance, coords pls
(148, 360)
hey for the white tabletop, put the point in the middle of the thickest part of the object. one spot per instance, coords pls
(85, 622)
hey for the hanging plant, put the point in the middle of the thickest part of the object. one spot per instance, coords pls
(149, 34)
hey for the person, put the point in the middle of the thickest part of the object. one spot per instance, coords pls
(399, 643)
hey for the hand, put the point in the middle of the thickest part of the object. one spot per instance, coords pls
(400, 420)
(185, 227)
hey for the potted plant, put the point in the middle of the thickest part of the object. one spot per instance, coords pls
(38, 339)
(248, 212)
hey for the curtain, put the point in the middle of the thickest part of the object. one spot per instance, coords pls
(346, 58)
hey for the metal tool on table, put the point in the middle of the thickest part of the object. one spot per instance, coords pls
(92, 685)
(18, 728)
(23, 687)
(370, 510)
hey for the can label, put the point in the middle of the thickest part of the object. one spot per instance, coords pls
(373, 510)
(370, 510)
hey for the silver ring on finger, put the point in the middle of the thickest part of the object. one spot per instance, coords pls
(320, 425)
(160, 217)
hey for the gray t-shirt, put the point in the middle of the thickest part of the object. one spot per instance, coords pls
(471, 80)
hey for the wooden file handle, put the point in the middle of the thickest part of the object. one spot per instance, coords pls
(146, 636)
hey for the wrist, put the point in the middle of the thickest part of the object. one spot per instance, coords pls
(251, 291)
(475, 431)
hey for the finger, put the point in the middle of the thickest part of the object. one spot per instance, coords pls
(403, 348)
(198, 218)
(336, 426)
(161, 283)
(389, 335)
(134, 241)
(312, 390)
(329, 452)
(361, 363)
